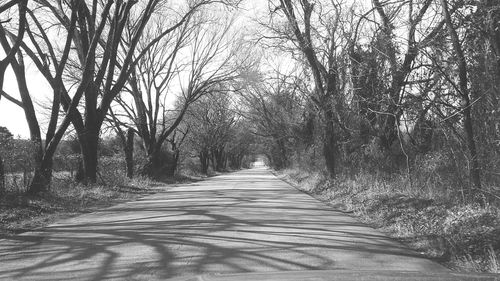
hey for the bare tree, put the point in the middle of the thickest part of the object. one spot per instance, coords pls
(319, 46)
(200, 56)
(52, 65)
(95, 66)
(211, 120)
(275, 107)
(10, 54)
(463, 89)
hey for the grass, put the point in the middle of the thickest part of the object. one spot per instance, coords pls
(20, 213)
(463, 236)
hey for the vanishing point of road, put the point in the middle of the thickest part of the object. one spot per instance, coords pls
(230, 225)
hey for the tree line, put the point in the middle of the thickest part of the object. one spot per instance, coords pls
(405, 87)
(133, 67)
(382, 87)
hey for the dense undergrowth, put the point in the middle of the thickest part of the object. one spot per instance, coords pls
(461, 235)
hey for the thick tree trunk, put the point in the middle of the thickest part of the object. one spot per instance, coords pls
(89, 144)
(43, 169)
(129, 153)
(153, 164)
(42, 177)
(159, 164)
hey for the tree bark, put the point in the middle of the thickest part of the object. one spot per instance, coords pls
(42, 177)
(218, 159)
(159, 163)
(204, 161)
(89, 144)
(129, 153)
(175, 161)
(170, 165)
(329, 144)
(153, 164)
(2, 176)
(282, 160)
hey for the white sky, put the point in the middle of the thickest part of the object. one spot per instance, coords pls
(11, 115)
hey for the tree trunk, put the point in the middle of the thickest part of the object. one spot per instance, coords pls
(175, 161)
(42, 177)
(129, 153)
(283, 157)
(89, 143)
(329, 144)
(2, 176)
(159, 164)
(170, 164)
(153, 164)
(219, 159)
(212, 160)
(474, 170)
(204, 161)
(388, 132)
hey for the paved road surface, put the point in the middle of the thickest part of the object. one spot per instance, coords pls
(248, 221)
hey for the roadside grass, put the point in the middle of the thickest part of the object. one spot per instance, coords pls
(20, 213)
(463, 236)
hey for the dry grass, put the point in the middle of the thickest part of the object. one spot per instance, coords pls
(19, 213)
(462, 236)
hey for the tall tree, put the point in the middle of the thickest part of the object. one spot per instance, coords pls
(52, 64)
(463, 89)
(101, 60)
(10, 54)
(199, 56)
(319, 46)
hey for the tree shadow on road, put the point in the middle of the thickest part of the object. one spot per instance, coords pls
(202, 228)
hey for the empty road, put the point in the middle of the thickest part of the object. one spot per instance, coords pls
(248, 221)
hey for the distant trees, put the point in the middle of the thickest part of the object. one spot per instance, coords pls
(276, 108)
(211, 121)
(184, 66)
